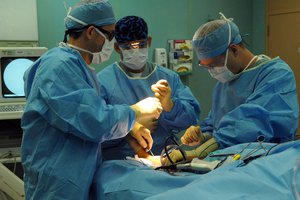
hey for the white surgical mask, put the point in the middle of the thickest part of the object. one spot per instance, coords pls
(223, 74)
(135, 58)
(107, 49)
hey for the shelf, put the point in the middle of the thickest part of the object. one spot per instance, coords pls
(181, 56)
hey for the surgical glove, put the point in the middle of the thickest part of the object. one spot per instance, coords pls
(148, 108)
(143, 136)
(141, 152)
(163, 92)
(150, 124)
(193, 136)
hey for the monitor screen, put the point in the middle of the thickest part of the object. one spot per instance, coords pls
(12, 71)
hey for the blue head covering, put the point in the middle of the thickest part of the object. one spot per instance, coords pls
(98, 13)
(131, 28)
(209, 44)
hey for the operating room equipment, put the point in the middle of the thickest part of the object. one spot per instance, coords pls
(151, 152)
(221, 154)
(170, 145)
(13, 63)
(11, 184)
(175, 153)
(196, 165)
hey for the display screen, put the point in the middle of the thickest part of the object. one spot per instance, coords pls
(12, 71)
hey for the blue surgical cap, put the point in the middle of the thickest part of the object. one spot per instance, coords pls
(211, 44)
(131, 28)
(98, 13)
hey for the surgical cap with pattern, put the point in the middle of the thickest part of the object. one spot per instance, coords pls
(92, 12)
(131, 28)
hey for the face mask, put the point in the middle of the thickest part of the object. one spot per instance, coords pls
(134, 58)
(106, 51)
(223, 74)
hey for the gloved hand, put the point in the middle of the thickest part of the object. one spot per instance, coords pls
(150, 124)
(200, 152)
(141, 152)
(149, 108)
(193, 136)
(163, 92)
(143, 137)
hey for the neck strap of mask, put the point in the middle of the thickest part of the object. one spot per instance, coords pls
(78, 48)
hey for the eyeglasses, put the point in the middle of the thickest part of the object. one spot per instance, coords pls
(110, 34)
(218, 61)
(134, 45)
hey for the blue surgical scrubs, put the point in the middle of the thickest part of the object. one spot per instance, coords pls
(64, 123)
(261, 101)
(119, 87)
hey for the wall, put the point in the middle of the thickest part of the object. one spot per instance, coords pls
(168, 19)
(259, 27)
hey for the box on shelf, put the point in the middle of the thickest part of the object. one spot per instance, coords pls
(181, 56)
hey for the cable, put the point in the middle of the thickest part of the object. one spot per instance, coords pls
(206, 149)
(171, 166)
(3, 196)
(15, 165)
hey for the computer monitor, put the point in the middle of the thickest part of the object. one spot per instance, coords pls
(14, 61)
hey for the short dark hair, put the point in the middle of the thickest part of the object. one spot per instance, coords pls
(131, 28)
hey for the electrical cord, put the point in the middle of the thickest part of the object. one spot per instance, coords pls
(204, 150)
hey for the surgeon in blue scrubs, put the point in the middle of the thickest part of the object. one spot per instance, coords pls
(65, 119)
(254, 97)
(133, 78)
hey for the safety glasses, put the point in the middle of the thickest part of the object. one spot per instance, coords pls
(139, 44)
(110, 34)
(218, 61)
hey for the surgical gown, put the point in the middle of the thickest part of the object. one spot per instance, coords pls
(64, 122)
(117, 87)
(262, 101)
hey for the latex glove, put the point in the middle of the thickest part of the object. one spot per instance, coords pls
(163, 92)
(150, 124)
(143, 137)
(148, 108)
(193, 136)
(141, 152)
